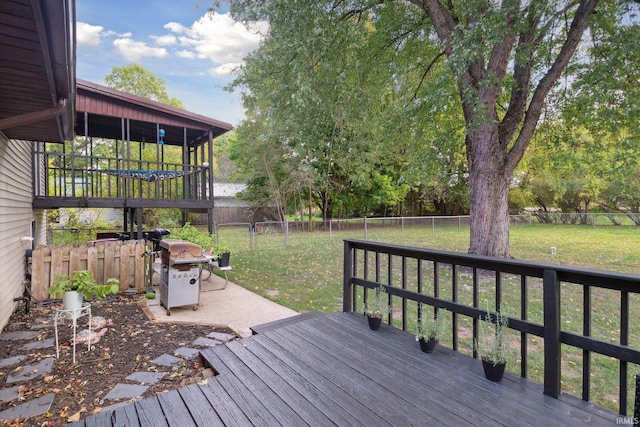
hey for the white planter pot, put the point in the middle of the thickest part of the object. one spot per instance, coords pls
(72, 300)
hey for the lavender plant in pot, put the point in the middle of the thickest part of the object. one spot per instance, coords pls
(376, 307)
(429, 330)
(490, 345)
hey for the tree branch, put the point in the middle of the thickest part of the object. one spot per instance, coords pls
(585, 10)
(426, 71)
(499, 58)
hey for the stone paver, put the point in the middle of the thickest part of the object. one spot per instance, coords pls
(19, 335)
(49, 342)
(221, 336)
(145, 377)
(187, 352)
(126, 391)
(9, 394)
(9, 361)
(29, 372)
(166, 360)
(29, 409)
(206, 342)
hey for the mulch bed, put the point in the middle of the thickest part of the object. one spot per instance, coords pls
(129, 345)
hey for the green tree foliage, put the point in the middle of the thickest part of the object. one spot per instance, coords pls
(137, 80)
(348, 77)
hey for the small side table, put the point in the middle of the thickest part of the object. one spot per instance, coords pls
(210, 265)
(74, 314)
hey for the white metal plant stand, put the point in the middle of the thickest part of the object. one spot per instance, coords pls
(74, 314)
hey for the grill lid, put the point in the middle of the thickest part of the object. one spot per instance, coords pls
(175, 252)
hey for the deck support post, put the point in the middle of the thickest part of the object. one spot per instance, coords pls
(552, 345)
(347, 274)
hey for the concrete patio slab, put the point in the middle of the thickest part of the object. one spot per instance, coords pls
(232, 306)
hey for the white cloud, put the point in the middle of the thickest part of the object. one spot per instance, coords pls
(88, 35)
(133, 50)
(224, 69)
(174, 27)
(187, 54)
(166, 40)
(219, 39)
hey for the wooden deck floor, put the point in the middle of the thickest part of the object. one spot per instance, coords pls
(332, 370)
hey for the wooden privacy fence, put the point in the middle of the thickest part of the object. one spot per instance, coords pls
(123, 260)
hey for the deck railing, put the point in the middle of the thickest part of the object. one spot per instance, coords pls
(528, 293)
(73, 175)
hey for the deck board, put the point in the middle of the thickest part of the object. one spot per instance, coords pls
(202, 412)
(265, 327)
(340, 398)
(175, 410)
(303, 402)
(277, 404)
(308, 382)
(149, 413)
(227, 409)
(125, 416)
(333, 370)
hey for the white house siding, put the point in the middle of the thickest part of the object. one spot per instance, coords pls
(16, 215)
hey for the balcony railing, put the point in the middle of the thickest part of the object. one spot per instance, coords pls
(574, 313)
(71, 175)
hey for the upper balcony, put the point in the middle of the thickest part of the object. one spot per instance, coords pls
(122, 156)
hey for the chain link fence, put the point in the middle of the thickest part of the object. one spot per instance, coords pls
(268, 234)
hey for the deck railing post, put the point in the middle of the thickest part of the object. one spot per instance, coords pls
(551, 291)
(347, 273)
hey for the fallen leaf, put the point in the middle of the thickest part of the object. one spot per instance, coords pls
(48, 378)
(76, 417)
(96, 410)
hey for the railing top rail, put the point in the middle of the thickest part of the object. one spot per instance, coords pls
(601, 278)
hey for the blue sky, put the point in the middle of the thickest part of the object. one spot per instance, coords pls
(174, 39)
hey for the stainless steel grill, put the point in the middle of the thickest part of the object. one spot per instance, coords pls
(180, 274)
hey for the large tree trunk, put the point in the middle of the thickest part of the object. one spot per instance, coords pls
(489, 179)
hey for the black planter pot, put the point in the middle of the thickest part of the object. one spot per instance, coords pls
(374, 322)
(223, 261)
(428, 346)
(493, 373)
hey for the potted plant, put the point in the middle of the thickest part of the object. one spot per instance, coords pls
(376, 307)
(221, 254)
(490, 345)
(80, 284)
(429, 331)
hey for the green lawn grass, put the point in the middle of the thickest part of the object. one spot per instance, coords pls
(307, 275)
